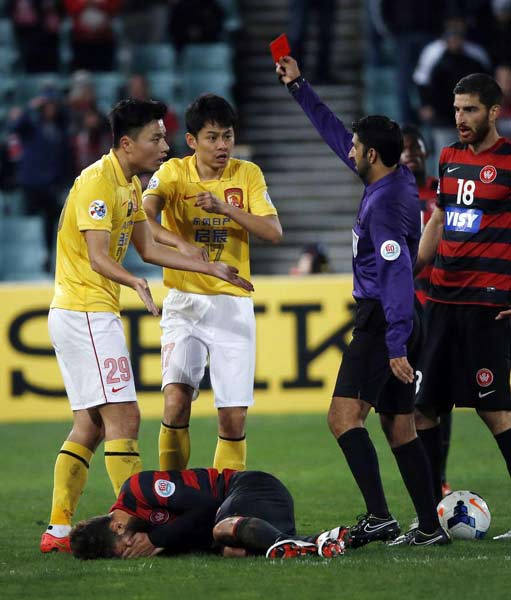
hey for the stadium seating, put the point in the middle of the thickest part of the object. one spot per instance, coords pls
(204, 57)
(164, 86)
(22, 248)
(29, 85)
(108, 85)
(7, 37)
(152, 57)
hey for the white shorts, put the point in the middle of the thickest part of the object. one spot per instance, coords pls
(93, 357)
(220, 327)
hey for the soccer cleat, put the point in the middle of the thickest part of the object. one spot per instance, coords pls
(372, 529)
(415, 537)
(503, 536)
(446, 489)
(50, 543)
(291, 549)
(331, 543)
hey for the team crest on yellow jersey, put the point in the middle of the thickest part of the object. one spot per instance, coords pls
(234, 197)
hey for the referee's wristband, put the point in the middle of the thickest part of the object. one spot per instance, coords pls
(296, 84)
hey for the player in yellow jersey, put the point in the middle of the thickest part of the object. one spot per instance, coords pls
(103, 212)
(212, 202)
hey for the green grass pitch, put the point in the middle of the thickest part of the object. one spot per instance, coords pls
(298, 449)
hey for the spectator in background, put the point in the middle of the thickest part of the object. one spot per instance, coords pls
(36, 24)
(43, 169)
(299, 20)
(195, 22)
(441, 65)
(313, 260)
(139, 88)
(501, 46)
(92, 34)
(412, 26)
(88, 126)
(503, 78)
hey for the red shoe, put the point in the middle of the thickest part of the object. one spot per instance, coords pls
(291, 549)
(446, 489)
(50, 543)
(331, 543)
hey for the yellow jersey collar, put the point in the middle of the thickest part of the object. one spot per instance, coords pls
(194, 175)
(121, 178)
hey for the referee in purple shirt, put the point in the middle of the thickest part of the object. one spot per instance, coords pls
(375, 371)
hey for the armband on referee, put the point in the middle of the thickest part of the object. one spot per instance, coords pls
(296, 84)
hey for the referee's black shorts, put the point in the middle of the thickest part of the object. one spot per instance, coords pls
(365, 371)
(466, 359)
(259, 494)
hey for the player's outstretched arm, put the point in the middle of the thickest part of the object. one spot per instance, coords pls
(155, 253)
(153, 205)
(98, 244)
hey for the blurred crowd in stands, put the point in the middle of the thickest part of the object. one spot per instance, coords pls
(430, 46)
(64, 63)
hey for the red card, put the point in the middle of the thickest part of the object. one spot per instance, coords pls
(280, 47)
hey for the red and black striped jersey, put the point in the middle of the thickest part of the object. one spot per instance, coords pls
(159, 496)
(177, 507)
(427, 198)
(473, 261)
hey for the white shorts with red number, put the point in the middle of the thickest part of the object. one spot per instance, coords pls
(93, 357)
(220, 327)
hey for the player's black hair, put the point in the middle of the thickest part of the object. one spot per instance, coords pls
(412, 130)
(482, 85)
(93, 538)
(209, 108)
(129, 116)
(382, 134)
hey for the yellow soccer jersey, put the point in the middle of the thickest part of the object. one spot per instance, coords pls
(100, 199)
(242, 184)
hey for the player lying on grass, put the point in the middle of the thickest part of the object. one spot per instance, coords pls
(234, 513)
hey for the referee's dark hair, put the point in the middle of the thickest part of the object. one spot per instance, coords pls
(129, 116)
(209, 108)
(482, 85)
(382, 134)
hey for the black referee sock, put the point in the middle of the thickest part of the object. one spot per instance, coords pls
(416, 473)
(363, 462)
(256, 534)
(432, 441)
(504, 442)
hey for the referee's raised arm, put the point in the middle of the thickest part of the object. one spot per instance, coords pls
(327, 124)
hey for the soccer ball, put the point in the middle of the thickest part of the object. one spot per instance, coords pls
(465, 515)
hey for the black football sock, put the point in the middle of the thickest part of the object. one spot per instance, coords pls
(363, 462)
(256, 534)
(416, 473)
(432, 442)
(445, 428)
(504, 442)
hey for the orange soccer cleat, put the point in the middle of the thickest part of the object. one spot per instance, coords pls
(50, 543)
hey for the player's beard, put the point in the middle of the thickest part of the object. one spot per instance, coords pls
(363, 168)
(479, 134)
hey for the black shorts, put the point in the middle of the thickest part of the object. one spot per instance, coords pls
(466, 359)
(365, 371)
(259, 494)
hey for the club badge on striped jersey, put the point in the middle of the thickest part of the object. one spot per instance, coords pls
(488, 174)
(98, 210)
(234, 197)
(164, 488)
(159, 516)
